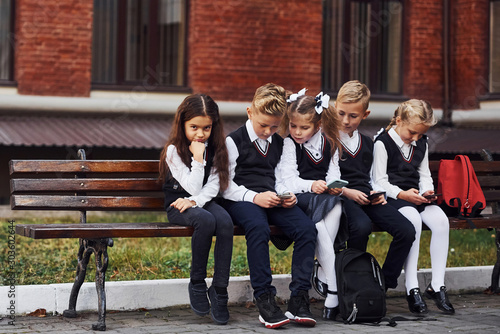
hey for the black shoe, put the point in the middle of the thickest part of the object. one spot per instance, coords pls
(298, 309)
(198, 299)
(440, 298)
(330, 313)
(218, 309)
(269, 313)
(416, 303)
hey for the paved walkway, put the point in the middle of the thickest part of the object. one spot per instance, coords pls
(475, 313)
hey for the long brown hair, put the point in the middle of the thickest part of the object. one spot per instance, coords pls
(305, 105)
(198, 105)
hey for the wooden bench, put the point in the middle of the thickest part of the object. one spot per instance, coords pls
(131, 185)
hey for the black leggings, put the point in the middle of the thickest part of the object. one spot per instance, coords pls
(211, 220)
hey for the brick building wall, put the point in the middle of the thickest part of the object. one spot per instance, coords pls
(423, 51)
(236, 46)
(53, 47)
(469, 49)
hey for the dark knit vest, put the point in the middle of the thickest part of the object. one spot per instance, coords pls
(255, 166)
(173, 190)
(313, 167)
(403, 171)
(355, 165)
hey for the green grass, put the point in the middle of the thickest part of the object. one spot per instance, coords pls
(54, 260)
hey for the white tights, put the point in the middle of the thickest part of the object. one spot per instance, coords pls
(327, 232)
(437, 222)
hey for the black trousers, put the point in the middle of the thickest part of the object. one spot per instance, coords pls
(387, 218)
(211, 220)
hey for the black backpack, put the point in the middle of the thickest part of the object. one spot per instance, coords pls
(361, 287)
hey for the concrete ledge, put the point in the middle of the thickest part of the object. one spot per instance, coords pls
(131, 295)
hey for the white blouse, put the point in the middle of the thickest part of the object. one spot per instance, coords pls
(288, 177)
(191, 179)
(379, 168)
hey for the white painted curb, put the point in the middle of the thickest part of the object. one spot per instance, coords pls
(131, 295)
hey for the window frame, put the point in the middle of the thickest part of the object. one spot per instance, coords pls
(12, 26)
(121, 83)
(374, 57)
(491, 95)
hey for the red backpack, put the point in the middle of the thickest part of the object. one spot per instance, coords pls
(462, 195)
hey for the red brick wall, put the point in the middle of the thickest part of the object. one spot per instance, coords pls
(423, 51)
(53, 47)
(469, 67)
(236, 46)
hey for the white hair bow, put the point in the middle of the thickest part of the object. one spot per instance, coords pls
(322, 101)
(294, 97)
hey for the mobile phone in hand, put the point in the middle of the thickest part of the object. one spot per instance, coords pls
(286, 195)
(337, 184)
(371, 197)
(432, 196)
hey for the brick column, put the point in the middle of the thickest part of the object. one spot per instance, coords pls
(53, 47)
(236, 46)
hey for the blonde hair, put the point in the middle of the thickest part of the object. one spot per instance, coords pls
(354, 91)
(270, 99)
(414, 111)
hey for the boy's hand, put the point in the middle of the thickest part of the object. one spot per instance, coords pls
(197, 148)
(182, 204)
(267, 199)
(380, 199)
(357, 196)
(412, 196)
(319, 186)
(289, 202)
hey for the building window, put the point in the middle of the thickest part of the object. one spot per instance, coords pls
(6, 41)
(363, 40)
(494, 84)
(139, 43)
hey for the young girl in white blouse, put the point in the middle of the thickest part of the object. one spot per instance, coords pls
(401, 167)
(193, 168)
(309, 163)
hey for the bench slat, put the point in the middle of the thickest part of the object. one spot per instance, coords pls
(87, 166)
(115, 230)
(104, 203)
(79, 185)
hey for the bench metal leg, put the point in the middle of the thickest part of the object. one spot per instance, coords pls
(495, 276)
(99, 248)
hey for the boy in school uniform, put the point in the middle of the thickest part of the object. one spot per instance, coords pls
(254, 154)
(355, 167)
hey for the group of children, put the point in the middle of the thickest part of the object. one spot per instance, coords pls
(276, 169)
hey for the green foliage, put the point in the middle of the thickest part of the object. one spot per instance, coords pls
(55, 260)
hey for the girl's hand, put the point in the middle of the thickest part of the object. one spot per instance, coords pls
(289, 202)
(335, 191)
(356, 195)
(267, 199)
(197, 148)
(182, 204)
(430, 193)
(319, 187)
(412, 196)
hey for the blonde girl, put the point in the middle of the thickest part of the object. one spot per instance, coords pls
(401, 167)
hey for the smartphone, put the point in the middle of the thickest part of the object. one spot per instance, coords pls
(371, 197)
(432, 196)
(285, 195)
(337, 184)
